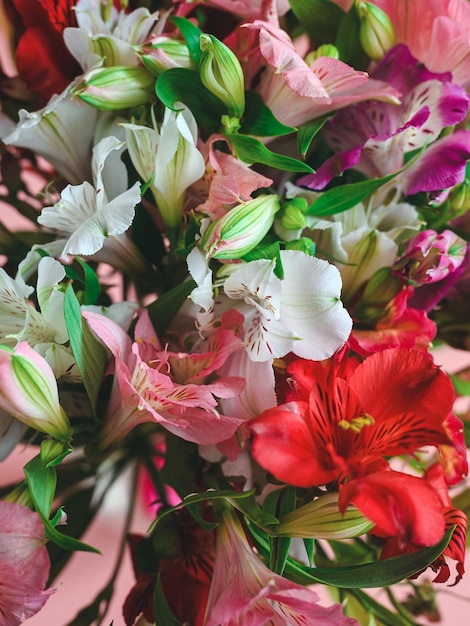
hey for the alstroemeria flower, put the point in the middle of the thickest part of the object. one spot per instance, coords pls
(376, 136)
(107, 41)
(245, 591)
(28, 392)
(24, 564)
(227, 180)
(144, 389)
(297, 92)
(62, 132)
(340, 425)
(85, 212)
(42, 329)
(302, 313)
(168, 160)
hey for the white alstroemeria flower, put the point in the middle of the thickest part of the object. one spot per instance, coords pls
(62, 132)
(302, 313)
(43, 329)
(107, 40)
(84, 211)
(168, 159)
(363, 239)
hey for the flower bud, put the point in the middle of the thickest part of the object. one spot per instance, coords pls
(241, 229)
(222, 74)
(321, 519)
(376, 32)
(430, 257)
(114, 88)
(28, 391)
(459, 198)
(379, 292)
(165, 53)
(326, 50)
(292, 214)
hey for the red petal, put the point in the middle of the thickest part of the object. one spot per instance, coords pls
(44, 63)
(400, 505)
(286, 446)
(408, 397)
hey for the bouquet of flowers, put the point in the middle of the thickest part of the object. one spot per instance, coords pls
(243, 225)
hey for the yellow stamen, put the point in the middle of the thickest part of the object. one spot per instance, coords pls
(358, 423)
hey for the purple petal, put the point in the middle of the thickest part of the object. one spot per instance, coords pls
(332, 167)
(441, 166)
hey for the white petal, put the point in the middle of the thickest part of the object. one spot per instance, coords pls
(311, 306)
(77, 204)
(100, 153)
(255, 282)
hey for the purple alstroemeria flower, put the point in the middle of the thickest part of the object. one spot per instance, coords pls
(374, 136)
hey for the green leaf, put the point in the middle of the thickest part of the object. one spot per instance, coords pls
(258, 119)
(309, 549)
(180, 84)
(89, 354)
(191, 34)
(307, 133)
(280, 545)
(251, 150)
(163, 309)
(41, 481)
(342, 198)
(243, 501)
(380, 574)
(91, 282)
(319, 17)
(161, 611)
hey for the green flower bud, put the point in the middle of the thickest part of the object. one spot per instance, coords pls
(114, 88)
(166, 53)
(459, 198)
(376, 32)
(321, 519)
(292, 215)
(222, 75)
(241, 229)
(326, 50)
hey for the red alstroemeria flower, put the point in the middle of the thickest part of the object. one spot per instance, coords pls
(395, 546)
(43, 61)
(338, 425)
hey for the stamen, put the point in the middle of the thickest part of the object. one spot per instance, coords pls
(358, 423)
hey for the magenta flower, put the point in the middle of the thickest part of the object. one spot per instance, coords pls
(24, 564)
(244, 591)
(430, 256)
(374, 137)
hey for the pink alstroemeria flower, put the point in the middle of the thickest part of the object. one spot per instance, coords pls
(245, 591)
(24, 564)
(296, 92)
(141, 392)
